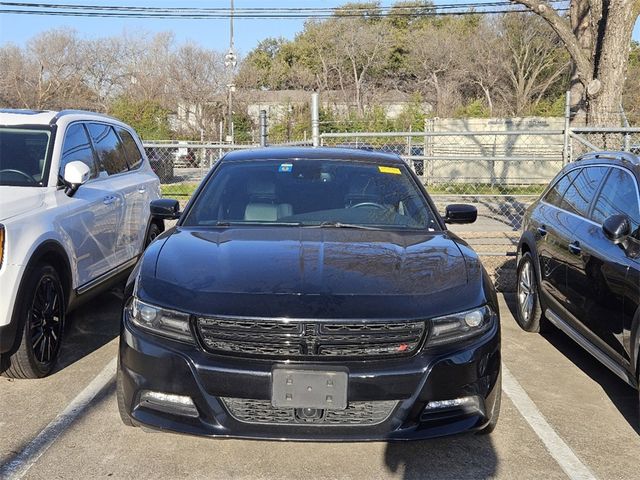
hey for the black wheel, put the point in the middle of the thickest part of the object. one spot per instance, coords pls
(529, 312)
(152, 233)
(122, 409)
(43, 314)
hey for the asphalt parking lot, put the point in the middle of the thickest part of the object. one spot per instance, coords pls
(563, 415)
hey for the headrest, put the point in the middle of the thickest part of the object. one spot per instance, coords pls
(261, 187)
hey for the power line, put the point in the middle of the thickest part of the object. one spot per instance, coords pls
(202, 13)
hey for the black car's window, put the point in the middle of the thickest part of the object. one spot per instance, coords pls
(77, 148)
(554, 195)
(582, 190)
(618, 196)
(109, 148)
(311, 193)
(23, 156)
(134, 157)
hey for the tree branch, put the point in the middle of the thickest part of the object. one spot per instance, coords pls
(563, 29)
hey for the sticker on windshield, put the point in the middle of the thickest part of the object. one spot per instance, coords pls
(394, 170)
(285, 167)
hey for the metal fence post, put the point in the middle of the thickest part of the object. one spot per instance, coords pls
(566, 152)
(315, 119)
(263, 128)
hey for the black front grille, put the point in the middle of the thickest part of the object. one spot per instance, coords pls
(261, 411)
(303, 339)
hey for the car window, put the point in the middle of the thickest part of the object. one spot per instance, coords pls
(134, 157)
(582, 190)
(554, 196)
(618, 196)
(77, 148)
(312, 193)
(109, 148)
(23, 156)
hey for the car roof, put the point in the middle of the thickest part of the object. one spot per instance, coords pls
(312, 153)
(626, 159)
(14, 117)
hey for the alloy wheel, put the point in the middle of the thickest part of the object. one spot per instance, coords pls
(526, 291)
(45, 320)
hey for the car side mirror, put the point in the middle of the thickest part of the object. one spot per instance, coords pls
(75, 174)
(616, 228)
(460, 213)
(165, 209)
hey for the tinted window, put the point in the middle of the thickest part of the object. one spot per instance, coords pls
(77, 147)
(134, 157)
(109, 148)
(582, 191)
(554, 196)
(618, 196)
(311, 193)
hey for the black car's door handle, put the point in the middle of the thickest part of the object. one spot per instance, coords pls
(575, 248)
(542, 230)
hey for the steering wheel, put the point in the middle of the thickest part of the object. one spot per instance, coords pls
(369, 204)
(19, 172)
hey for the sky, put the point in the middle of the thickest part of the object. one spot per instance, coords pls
(212, 34)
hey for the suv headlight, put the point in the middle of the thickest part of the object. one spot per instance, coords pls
(460, 326)
(161, 321)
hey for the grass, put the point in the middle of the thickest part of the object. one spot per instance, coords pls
(183, 191)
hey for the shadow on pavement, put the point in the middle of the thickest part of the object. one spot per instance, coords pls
(623, 396)
(91, 326)
(460, 457)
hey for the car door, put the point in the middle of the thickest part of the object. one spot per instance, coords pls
(551, 226)
(139, 192)
(113, 161)
(90, 219)
(601, 276)
(577, 201)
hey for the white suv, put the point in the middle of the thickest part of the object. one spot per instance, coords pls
(75, 189)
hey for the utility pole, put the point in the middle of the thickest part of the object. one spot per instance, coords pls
(230, 61)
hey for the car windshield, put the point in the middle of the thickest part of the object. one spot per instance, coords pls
(312, 193)
(23, 156)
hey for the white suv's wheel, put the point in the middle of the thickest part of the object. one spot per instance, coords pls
(42, 314)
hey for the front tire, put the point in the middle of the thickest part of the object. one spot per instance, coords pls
(42, 316)
(528, 312)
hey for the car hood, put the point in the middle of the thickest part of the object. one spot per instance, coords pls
(18, 200)
(310, 272)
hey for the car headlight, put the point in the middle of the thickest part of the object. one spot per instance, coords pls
(460, 326)
(161, 321)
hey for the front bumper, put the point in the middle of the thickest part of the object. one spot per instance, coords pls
(215, 382)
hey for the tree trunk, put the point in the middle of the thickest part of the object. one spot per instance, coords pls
(597, 38)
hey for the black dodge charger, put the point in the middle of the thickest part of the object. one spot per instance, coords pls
(310, 294)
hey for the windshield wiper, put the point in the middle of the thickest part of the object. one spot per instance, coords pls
(342, 225)
(225, 223)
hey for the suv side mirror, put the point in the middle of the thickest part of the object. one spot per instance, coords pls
(616, 228)
(165, 209)
(460, 213)
(75, 174)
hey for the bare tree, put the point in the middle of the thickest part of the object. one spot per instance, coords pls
(597, 36)
(531, 59)
(438, 66)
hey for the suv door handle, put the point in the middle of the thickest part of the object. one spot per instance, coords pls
(575, 248)
(542, 230)
(109, 199)
(142, 189)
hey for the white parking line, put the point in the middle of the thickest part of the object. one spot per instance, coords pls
(21, 464)
(559, 450)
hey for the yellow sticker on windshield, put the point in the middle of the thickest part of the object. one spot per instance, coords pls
(394, 170)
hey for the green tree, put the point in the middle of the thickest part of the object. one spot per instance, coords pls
(148, 118)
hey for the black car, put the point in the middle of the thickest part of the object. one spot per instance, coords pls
(310, 294)
(579, 260)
